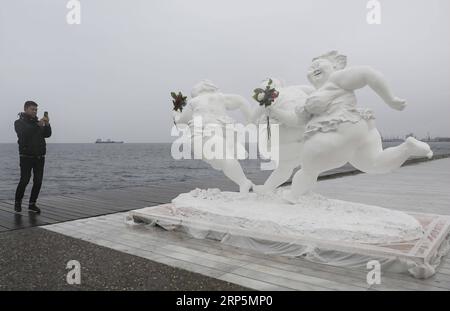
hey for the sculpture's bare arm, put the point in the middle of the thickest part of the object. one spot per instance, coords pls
(308, 89)
(234, 102)
(185, 116)
(354, 78)
(285, 117)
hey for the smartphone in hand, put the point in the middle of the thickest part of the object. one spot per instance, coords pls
(47, 120)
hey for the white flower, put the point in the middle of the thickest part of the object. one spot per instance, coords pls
(261, 96)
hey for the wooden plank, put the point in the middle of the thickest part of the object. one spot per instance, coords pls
(104, 206)
(146, 198)
(11, 222)
(7, 214)
(66, 209)
(8, 208)
(277, 280)
(90, 198)
(115, 200)
(72, 208)
(252, 283)
(21, 221)
(303, 278)
(77, 206)
(189, 266)
(60, 215)
(60, 212)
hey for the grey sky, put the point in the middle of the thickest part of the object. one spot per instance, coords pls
(111, 76)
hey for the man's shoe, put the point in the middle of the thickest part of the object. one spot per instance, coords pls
(18, 207)
(34, 208)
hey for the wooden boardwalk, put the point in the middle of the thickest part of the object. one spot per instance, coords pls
(422, 188)
(62, 208)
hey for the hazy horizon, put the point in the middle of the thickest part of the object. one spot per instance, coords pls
(111, 76)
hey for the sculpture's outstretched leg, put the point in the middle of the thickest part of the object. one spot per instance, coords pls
(371, 158)
(289, 160)
(233, 170)
(360, 144)
(302, 182)
(279, 176)
(230, 167)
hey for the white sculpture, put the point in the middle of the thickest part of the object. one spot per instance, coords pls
(337, 132)
(211, 106)
(320, 129)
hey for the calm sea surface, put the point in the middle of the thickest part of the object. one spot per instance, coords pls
(73, 168)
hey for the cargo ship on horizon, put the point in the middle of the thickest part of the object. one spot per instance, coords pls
(108, 141)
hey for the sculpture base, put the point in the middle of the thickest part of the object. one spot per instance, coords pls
(322, 230)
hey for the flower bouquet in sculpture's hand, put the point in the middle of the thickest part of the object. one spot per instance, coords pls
(179, 101)
(265, 97)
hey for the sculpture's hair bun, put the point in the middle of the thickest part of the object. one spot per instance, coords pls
(204, 86)
(339, 61)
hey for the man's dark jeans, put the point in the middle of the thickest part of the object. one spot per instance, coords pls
(28, 164)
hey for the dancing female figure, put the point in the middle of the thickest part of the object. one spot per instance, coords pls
(338, 132)
(211, 107)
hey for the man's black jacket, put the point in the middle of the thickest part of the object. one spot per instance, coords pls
(31, 136)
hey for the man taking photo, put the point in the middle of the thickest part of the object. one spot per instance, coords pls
(31, 134)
